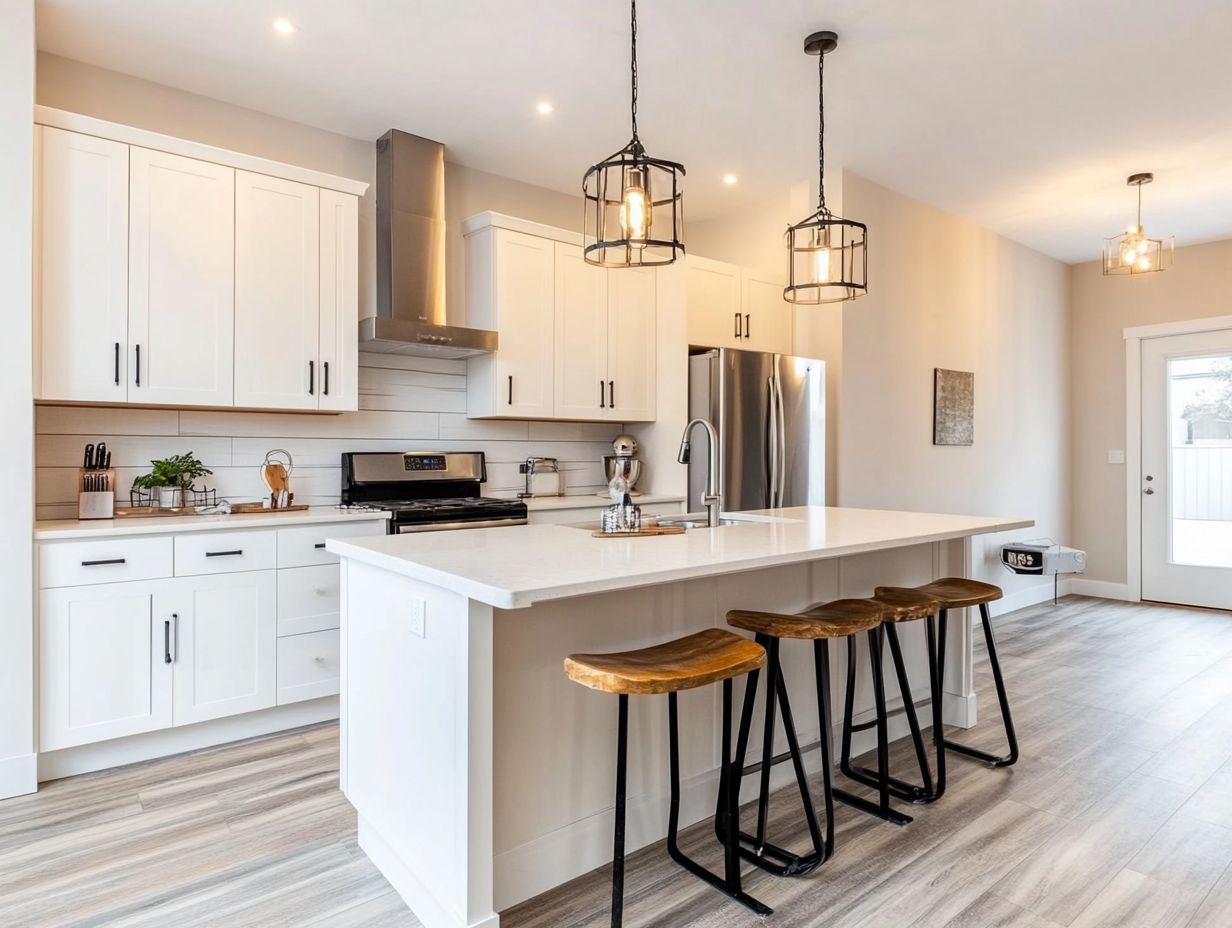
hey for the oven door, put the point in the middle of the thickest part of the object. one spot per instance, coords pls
(414, 528)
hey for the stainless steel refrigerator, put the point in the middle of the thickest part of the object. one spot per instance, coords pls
(770, 414)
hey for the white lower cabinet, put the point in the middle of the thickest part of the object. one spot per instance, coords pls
(223, 648)
(308, 666)
(102, 672)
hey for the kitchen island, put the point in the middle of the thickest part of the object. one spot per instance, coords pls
(482, 777)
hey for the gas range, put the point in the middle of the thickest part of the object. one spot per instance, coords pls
(430, 491)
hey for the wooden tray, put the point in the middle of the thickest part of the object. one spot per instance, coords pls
(261, 507)
(643, 532)
(133, 512)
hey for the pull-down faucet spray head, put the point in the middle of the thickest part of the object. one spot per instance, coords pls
(682, 456)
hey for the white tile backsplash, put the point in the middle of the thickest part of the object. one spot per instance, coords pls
(405, 404)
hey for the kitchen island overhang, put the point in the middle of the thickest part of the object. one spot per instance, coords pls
(481, 777)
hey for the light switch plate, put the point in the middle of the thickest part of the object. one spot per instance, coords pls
(417, 619)
(1116, 457)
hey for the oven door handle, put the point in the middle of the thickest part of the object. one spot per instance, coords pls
(447, 526)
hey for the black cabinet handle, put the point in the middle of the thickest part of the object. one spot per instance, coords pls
(166, 641)
(138, 365)
(113, 560)
(234, 553)
(511, 389)
(311, 377)
(611, 394)
(602, 396)
(748, 326)
(325, 376)
(319, 545)
(117, 364)
(737, 325)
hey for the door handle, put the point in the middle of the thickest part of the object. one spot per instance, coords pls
(748, 326)
(511, 389)
(138, 382)
(103, 563)
(117, 364)
(772, 460)
(235, 553)
(611, 394)
(311, 377)
(325, 377)
(1149, 491)
(167, 641)
(602, 396)
(737, 325)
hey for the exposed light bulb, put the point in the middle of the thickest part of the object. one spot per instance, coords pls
(1144, 263)
(635, 207)
(1128, 254)
(822, 265)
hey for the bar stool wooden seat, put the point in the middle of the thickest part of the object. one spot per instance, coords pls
(819, 623)
(901, 604)
(710, 656)
(961, 593)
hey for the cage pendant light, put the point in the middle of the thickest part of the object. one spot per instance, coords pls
(827, 255)
(634, 207)
(1132, 252)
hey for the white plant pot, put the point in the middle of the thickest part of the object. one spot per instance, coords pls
(170, 497)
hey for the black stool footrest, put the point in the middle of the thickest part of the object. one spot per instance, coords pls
(719, 883)
(911, 792)
(893, 816)
(992, 760)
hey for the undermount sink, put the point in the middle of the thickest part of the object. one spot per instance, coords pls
(692, 520)
(697, 522)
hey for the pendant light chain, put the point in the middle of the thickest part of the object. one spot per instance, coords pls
(821, 130)
(633, 63)
(1139, 206)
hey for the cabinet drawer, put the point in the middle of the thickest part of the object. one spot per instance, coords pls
(305, 547)
(307, 599)
(224, 552)
(77, 563)
(308, 666)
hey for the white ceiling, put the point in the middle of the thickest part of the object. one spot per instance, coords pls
(1025, 117)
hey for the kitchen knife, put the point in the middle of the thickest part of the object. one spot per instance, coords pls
(100, 455)
(107, 463)
(88, 463)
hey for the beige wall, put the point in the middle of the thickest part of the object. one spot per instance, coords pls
(944, 292)
(17, 767)
(1199, 285)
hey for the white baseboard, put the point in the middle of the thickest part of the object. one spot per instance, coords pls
(18, 775)
(1081, 586)
(1021, 599)
(87, 758)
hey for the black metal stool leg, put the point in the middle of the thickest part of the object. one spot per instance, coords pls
(618, 850)
(1007, 720)
(729, 883)
(936, 679)
(821, 662)
(767, 742)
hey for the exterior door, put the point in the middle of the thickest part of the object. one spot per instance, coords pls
(632, 332)
(1187, 469)
(277, 293)
(81, 237)
(102, 667)
(181, 263)
(225, 644)
(581, 336)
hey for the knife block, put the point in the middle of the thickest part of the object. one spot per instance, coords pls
(96, 504)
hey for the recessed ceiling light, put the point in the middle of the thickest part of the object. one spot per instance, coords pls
(544, 108)
(284, 26)
(730, 179)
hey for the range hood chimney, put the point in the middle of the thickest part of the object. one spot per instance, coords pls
(410, 256)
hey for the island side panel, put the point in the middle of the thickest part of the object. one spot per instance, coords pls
(417, 679)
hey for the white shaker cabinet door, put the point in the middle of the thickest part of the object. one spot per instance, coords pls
(632, 327)
(767, 316)
(225, 644)
(525, 297)
(716, 319)
(339, 333)
(81, 250)
(181, 280)
(277, 293)
(103, 671)
(581, 336)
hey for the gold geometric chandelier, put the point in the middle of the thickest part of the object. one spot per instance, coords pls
(1133, 252)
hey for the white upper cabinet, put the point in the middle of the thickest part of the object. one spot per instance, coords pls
(574, 341)
(511, 288)
(277, 292)
(169, 274)
(631, 329)
(581, 336)
(339, 332)
(181, 280)
(735, 307)
(81, 239)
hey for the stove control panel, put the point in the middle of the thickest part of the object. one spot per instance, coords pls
(422, 462)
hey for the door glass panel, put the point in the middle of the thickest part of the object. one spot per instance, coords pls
(1200, 438)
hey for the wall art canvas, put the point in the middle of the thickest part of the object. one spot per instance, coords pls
(953, 407)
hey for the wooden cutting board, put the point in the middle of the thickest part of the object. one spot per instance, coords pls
(646, 532)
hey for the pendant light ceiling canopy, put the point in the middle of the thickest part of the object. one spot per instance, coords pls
(1132, 252)
(827, 255)
(634, 203)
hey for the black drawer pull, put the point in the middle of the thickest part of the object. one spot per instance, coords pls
(319, 545)
(112, 560)
(234, 553)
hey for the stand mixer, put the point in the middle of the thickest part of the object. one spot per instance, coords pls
(623, 462)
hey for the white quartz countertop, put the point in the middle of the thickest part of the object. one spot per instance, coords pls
(160, 525)
(592, 501)
(517, 566)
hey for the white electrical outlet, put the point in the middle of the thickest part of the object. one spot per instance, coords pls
(418, 618)
(1116, 457)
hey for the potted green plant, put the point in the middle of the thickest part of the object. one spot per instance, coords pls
(171, 477)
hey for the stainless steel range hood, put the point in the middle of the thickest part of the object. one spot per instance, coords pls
(410, 256)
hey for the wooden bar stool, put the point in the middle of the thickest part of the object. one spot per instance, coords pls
(900, 605)
(819, 624)
(709, 656)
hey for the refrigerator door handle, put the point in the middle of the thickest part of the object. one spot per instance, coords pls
(780, 414)
(772, 419)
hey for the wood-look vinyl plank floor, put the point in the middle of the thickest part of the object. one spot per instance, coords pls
(1119, 815)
